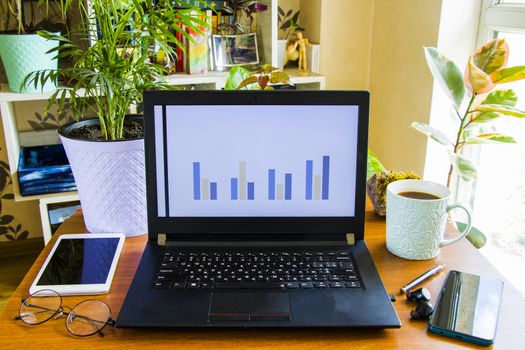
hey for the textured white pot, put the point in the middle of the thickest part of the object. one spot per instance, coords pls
(111, 182)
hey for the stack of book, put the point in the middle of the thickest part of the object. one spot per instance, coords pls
(44, 169)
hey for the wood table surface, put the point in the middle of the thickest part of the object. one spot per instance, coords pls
(394, 271)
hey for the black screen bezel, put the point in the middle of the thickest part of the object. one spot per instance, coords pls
(303, 226)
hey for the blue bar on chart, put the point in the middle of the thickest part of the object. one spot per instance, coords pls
(271, 184)
(234, 188)
(287, 186)
(309, 178)
(196, 180)
(251, 190)
(326, 177)
(213, 191)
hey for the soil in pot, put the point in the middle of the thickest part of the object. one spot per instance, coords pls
(133, 129)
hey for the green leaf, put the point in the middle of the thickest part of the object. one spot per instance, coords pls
(501, 97)
(485, 117)
(505, 110)
(476, 79)
(246, 82)
(434, 134)
(491, 56)
(490, 138)
(373, 165)
(236, 76)
(447, 74)
(508, 74)
(475, 236)
(279, 78)
(466, 168)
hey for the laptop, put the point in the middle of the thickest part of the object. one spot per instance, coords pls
(256, 210)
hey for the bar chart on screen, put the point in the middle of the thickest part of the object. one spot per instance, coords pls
(278, 186)
(216, 161)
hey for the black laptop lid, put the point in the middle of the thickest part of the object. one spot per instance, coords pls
(256, 162)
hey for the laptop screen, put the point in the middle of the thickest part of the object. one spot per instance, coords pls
(248, 160)
(224, 157)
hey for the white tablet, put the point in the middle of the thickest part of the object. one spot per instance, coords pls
(80, 264)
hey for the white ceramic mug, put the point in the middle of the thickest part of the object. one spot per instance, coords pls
(415, 227)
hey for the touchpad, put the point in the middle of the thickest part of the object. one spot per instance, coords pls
(246, 307)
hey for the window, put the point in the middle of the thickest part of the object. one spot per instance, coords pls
(499, 204)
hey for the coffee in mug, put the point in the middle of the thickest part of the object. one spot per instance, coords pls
(416, 216)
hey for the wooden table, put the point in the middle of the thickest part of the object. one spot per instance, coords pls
(394, 272)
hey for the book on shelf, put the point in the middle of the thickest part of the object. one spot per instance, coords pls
(313, 56)
(197, 59)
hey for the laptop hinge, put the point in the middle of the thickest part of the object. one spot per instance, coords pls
(162, 241)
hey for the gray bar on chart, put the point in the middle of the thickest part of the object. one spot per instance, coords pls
(205, 189)
(317, 187)
(242, 180)
(280, 192)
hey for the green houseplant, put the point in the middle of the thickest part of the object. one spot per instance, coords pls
(106, 153)
(476, 104)
(22, 51)
(486, 69)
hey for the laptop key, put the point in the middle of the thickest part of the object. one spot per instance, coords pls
(353, 284)
(306, 284)
(336, 284)
(162, 285)
(292, 285)
(321, 285)
(193, 285)
(250, 285)
(178, 285)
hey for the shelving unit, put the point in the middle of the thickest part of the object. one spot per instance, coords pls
(267, 41)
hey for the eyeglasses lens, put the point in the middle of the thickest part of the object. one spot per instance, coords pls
(88, 317)
(40, 307)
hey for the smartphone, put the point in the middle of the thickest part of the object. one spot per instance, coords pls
(467, 308)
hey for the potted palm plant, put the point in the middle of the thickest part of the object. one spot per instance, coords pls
(23, 51)
(106, 153)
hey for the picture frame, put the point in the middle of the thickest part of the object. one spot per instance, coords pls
(235, 50)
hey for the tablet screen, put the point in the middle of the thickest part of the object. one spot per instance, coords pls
(80, 261)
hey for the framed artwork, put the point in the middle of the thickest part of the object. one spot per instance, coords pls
(235, 50)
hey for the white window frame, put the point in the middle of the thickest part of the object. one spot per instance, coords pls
(497, 16)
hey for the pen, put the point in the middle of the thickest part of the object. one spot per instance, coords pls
(420, 279)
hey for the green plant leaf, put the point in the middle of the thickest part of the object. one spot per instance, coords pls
(447, 74)
(431, 132)
(466, 168)
(279, 77)
(505, 110)
(475, 236)
(501, 97)
(491, 56)
(476, 79)
(490, 138)
(508, 74)
(484, 117)
(373, 164)
(236, 76)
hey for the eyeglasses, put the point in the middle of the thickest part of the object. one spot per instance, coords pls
(86, 318)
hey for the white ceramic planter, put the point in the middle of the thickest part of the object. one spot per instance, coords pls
(110, 178)
(24, 53)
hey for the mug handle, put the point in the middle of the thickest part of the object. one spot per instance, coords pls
(465, 231)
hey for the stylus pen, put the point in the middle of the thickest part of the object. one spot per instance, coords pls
(420, 279)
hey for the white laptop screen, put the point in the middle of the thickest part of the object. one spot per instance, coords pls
(256, 160)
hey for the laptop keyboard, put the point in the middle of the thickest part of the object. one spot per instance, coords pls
(257, 270)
